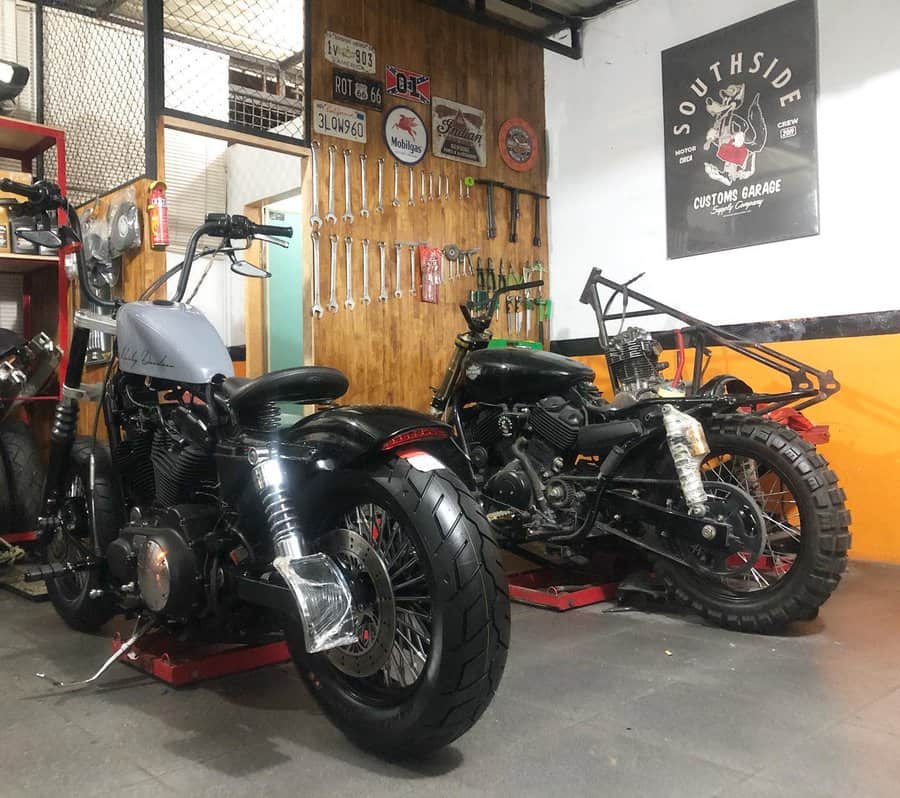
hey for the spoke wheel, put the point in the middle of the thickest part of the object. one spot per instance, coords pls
(429, 600)
(804, 552)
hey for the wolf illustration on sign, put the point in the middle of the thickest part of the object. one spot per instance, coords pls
(737, 139)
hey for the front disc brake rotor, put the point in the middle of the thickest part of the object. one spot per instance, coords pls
(746, 540)
(373, 603)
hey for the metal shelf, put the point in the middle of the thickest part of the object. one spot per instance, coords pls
(16, 263)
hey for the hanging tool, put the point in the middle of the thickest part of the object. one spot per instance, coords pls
(489, 186)
(461, 191)
(526, 276)
(315, 221)
(431, 185)
(332, 301)
(413, 278)
(330, 215)
(536, 213)
(452, 253)
(382, 268)
(397, 247)
(501, 283)
(348, 252)
(366, 299)
(423, 197)
(491, 276)
(396, 201)
(364, 199)
(348, 214)
(379, 208)
(412, 177)
(317, 309)
(514, 213)
(540, 302)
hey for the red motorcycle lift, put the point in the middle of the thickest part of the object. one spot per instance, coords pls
(553, 588)
(180, 664)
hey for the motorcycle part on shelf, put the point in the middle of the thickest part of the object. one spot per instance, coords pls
(124, 228)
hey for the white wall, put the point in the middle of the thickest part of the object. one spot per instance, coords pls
(607, 182)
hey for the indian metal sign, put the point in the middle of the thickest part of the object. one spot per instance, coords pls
(740, 133)
(339, 121)
(405, 135)
(349, 53)
(407, 85)
(458, 132)
(350, 88)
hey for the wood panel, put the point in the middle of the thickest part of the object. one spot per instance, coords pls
(139, 269)
(394, 351)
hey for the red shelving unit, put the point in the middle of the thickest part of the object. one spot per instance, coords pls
(45, 285)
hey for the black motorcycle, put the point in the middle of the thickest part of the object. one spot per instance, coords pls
(207, 519)
(740, 516)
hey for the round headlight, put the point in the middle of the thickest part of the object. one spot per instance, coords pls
(154, 578)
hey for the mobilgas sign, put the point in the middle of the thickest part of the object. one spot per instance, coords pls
(405, 135)
(740, 133)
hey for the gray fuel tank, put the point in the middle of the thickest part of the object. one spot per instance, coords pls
(170, 341)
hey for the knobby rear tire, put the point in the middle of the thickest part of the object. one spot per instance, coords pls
(470, 610)
(824, 537)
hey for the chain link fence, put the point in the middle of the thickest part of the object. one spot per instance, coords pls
(94, 90)
(240, 63)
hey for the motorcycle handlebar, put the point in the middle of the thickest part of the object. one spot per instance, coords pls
(273, 230)
(31, 193)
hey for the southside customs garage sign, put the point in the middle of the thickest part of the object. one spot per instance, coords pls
(405, 135)
(740, 133)
(458, 132)
(518, 144)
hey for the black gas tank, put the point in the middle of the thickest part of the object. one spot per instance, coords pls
(495, 375)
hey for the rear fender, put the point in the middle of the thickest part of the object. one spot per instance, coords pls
(348, 437)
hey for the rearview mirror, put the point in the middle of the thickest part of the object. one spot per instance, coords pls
(40, 238)
(246, 269)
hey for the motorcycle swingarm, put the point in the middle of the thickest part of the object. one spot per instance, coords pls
(687, 527)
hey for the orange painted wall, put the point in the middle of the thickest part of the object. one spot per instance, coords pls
(864, 417)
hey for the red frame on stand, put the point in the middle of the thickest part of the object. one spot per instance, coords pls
(24, 142)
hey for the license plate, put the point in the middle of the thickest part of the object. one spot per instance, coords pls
(349, 53)
(339, 121)
(350, 88)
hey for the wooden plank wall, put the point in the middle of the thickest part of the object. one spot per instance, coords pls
(139, 269)
(393, 352)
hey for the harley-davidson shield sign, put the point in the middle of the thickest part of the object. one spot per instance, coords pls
(740, 133)
(458, 132)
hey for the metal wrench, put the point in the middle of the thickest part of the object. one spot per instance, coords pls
(366, 299)
(446, 187)
(348, 254)
(423, 197)
(396, 201)
(382, 258)
(412, 176)
(348, 214)
(317, 309)
(332, 301)
(379, 208)
(431, 185)
(330, 215)
(412, 270)
(397, 292)
(364, 195)
(315, 221)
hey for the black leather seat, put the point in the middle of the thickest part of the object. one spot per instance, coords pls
(305, 385)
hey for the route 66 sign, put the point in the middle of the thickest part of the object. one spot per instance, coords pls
(356, 89)
(349, 53)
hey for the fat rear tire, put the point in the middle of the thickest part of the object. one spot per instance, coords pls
(470, 609)
(24, 475)
(70, 595)
(825, 535)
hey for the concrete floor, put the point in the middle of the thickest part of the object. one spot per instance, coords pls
(593, 704)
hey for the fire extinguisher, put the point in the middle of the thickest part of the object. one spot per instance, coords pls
(158, 215)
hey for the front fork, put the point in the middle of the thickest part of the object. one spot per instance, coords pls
(65, 423)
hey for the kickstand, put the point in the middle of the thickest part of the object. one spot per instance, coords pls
(139, 631)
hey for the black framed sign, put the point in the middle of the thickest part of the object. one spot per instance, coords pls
(740, 133)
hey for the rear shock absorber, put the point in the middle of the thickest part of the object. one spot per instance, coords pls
(688, 446)
(278, 506)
